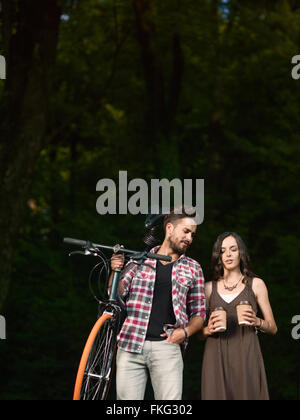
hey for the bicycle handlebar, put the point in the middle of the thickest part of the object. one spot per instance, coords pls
(117, 248)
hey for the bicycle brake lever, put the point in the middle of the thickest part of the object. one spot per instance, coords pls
(139, 256)
(76, 252)
(139, 259)
(89, 249)
(85, 252)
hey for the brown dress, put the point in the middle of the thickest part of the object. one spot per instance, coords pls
(233, 366)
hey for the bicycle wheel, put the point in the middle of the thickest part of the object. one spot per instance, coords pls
(95, 368)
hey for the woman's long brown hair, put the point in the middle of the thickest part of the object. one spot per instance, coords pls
(217, 265)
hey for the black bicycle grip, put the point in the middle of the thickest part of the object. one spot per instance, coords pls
(159, 257)
(72, 241)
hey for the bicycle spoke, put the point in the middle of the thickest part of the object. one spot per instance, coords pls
(98, 369)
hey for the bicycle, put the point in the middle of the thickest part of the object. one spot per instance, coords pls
(97, 362)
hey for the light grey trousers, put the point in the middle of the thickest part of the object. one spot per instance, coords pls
(164, 362)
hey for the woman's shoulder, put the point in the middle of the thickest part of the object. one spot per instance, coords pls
(208, 288)
(258, 282)
(258, 285)
(208, 284)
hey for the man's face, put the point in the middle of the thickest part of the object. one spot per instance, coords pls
(181, 234)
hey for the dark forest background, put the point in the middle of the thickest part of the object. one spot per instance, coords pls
(163, 89)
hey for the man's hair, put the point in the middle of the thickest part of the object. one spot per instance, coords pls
(178, 213)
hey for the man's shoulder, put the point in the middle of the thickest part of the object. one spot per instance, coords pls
(190, 261)
(192, 266)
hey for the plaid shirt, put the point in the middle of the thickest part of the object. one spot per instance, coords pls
(187, 296)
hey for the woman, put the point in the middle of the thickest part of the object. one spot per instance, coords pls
(233, 367)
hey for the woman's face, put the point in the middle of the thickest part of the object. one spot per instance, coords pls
(230, 253)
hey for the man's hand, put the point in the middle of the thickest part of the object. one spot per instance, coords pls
(177, 336)
(117, 261)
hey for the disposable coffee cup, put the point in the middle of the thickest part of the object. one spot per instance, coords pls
(221, 311)
(240, 308)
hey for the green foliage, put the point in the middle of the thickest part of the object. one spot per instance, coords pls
(236, 126)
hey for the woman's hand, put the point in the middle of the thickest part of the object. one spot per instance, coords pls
(250, 317)
(215, 321)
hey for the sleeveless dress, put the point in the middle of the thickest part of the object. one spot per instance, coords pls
(233, 366)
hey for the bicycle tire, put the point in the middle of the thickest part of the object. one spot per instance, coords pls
(96, 365)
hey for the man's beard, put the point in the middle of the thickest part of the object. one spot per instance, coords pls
(175, 247)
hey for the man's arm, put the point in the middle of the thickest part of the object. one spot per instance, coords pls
(196, 299)
(120, 286)
(195, 324)
(196, 307)
(117, 262)
(178, 336)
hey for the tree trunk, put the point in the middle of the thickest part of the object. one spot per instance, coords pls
(161, 106)
(30, 33)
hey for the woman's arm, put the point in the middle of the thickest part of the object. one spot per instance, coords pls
(208, 329)
(267, 324)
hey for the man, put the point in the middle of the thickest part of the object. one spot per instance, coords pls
(165, 305)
